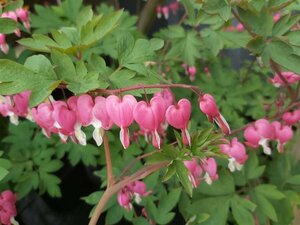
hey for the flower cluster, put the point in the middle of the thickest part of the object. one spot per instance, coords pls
(20, 14)
(207, 166)
(132, 192)
(7, 208)
(166, 9)
(262, 131)
(67, 118)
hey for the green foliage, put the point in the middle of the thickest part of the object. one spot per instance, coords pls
(81, 49)
(7, 26)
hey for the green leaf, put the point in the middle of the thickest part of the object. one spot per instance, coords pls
(96, 30)
(171, 170)
(282, 53)
(270, 191)
(168, 202)
(38, 42)
(216, 207)
(140, 221)
(224, 185)
(186, 46)
(266, 207)
(7, 26)
(39, 78)
(241, 214)
(294, 180)
(93, 198)
(182, 174)
(87, 154)
(219, 7)
(254, 21)
(49, 183)
(252, 168)
(114, 215)
(52, 166)
(3, 173)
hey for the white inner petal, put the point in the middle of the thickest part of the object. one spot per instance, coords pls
(264, 142)
(97, 135)
(80, 135)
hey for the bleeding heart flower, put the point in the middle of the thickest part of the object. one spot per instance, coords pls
(282, 133)
(124, 199)
(290, 77)
(101, 119)
(174, 7)
(209, 107)
(21, 103)
(195, 172)
(240, 27)
(165, 12)
(135, 191)
(3, 45)
(259, 133)
(290, 118)
(237, 154)
(178, 116)
(24, 17)
(121, 113)
(167, 95)
(192, 71)
(7, 208)
(158, 11)
(210, 167)
(151, 116)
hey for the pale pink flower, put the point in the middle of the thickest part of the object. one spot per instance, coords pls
(282, 133)
(290, 77)
(290, 118)
(178, 116)
(258, 134)
(3, 45)
(120, 110)
(236, 152)
(209, 165)
(195, 172)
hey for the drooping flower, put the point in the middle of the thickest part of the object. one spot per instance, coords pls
(209, 165)
(282, 133)
(290, 118)
(290, 77)
(178, 116)
(167, 95)
(236, 152)
(3, 45)
(158, 11)
(165, 12)
(240, 27)
(192, 72)
(101, 118)
(132, 192)
(174, 6)
(258, 134)
(209, 107)
(22, 14)
(150, 116)
(7, 208)
(195, 172)
(120, 110)
(21, 104)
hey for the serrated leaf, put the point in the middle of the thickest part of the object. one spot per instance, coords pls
(266, 207)
(241, 215)
(269, 191)
(182, 174)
